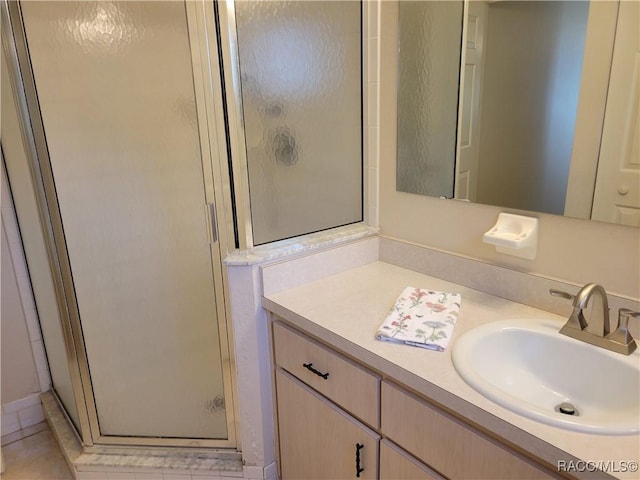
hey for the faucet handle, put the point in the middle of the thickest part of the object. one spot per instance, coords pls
(576, 320)
(559, 293)
(622, 335)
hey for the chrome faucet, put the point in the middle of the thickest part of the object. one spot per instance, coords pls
(595, 327)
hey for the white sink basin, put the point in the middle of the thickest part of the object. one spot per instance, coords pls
(529, 368)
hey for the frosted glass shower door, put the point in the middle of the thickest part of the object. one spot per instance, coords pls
(115, 86)
(301, 75)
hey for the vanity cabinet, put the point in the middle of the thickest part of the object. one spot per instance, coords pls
(339, 419)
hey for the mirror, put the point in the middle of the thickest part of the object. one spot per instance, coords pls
(508, 103)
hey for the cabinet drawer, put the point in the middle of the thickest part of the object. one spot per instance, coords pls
(337, 378)
(445, 443)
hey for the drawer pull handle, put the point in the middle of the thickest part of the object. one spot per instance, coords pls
(359, 470)
(309, 366)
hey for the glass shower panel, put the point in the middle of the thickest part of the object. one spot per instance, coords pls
(300, 67)
(115, 86)
(36, 255)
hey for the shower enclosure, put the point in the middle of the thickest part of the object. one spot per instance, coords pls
(129, 185)
(150, 162)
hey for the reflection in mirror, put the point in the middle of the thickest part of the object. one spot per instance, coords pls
(532, 108)
(429, 37)
(529, 75)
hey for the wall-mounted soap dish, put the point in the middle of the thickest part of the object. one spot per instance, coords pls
(514, 235)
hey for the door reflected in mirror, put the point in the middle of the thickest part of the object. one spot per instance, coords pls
(534, 84)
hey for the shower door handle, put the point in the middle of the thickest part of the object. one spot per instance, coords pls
(212, 229)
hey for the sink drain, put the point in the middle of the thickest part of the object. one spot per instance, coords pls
(567, 408)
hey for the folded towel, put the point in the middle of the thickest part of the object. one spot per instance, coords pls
(422, 318)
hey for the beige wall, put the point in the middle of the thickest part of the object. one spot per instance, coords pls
(576, 251)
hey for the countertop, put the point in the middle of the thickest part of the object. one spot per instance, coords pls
(346, 309)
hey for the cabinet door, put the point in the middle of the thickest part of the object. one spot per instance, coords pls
(398, 465)
(447, 444)
(317, 439)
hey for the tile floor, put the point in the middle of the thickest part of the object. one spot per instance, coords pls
(33, 454)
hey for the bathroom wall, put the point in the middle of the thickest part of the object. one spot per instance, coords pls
(576, 251)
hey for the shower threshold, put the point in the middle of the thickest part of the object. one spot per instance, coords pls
(131, 460)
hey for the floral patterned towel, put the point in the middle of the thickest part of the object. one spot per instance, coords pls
(422, 318)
